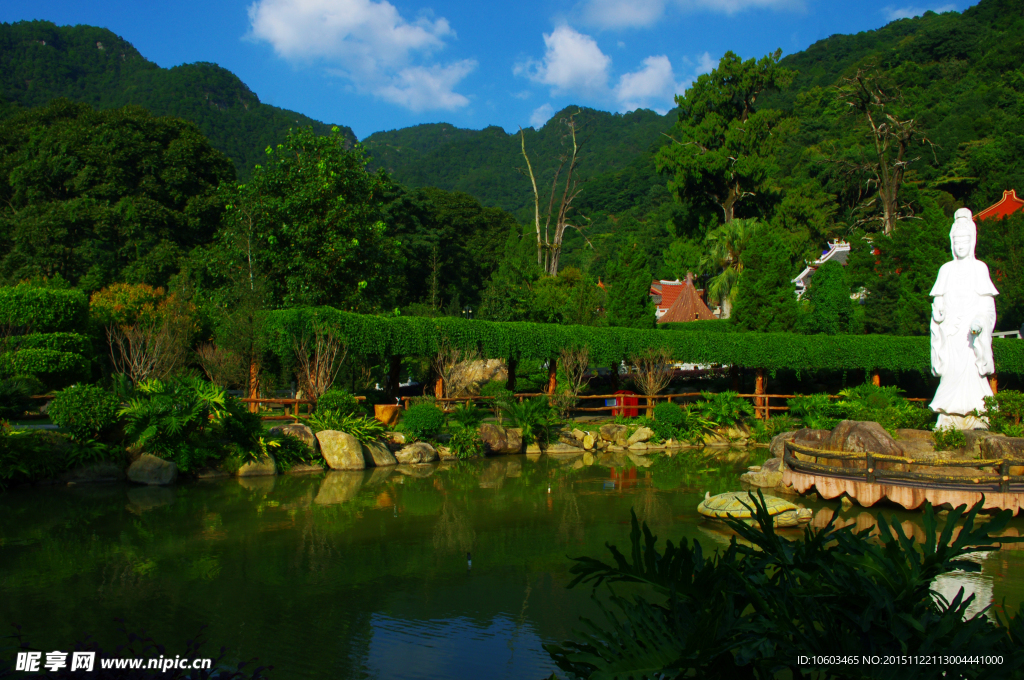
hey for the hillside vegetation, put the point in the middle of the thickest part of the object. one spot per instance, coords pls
(40, 61)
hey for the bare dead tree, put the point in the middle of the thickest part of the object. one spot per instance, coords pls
(454, 367)
(549, 246)
(575, 363)
(144, 351)
(868, 95)
(652, 372)
(320, 358)
(222, 366)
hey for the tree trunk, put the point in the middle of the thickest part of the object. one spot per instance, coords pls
(760, 402)
(394, 376)
(510, 384)
(439, 388)
(876, 378)
(552, 375)
(253, 387)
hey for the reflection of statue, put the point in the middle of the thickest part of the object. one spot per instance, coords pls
(963, 318)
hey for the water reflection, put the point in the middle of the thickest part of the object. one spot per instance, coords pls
(360, 574)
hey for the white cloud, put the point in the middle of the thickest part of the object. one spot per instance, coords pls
(893, 13)
(572, 63)
(422, 88)
(618, 14)
(369, 43)
(652, 85)
(522, 94)
(541, 115)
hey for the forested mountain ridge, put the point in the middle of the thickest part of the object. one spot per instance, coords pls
(40, 61)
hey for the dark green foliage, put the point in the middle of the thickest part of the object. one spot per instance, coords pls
(340, 401)
(129, 197)
(629, 286)
(763, 431)
(766, 301)
(883, 405)
(815, 411)
(31, 455)
(1005, 411)
(701, 326)
(724, 409)
(508, 294)
(831, 309)
(423, 421)
(52, 368)
(466, 443)
(752, 609)
(15, 395)
(467, 416)
(289, 451)
(949, 439)
(84, 411)
(71, 64)
(27, 310)
(1001, 246)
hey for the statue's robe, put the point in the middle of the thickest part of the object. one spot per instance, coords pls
(960, 358)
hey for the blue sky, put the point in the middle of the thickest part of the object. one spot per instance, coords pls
(385, 64)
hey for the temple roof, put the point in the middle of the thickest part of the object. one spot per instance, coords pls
(1007, 205)
(687, 305)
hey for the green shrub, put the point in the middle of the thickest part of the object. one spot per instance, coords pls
(365, 429)
(495, 388)
(535, 416)
(748, 609)
(340, 401)
(669, 413)
(423, 420)
(466, 443)
(1004, 412)
(84, 411)
(883, 405)
(763, 431)
(949, 439)
(467, 416)
(31, 455)
(42, 310)
(725, 409)
(287, 451)
(52, 367)
(815, 411)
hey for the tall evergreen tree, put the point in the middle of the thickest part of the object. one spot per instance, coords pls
(831, 310)
(508, 295)
(629, 290)
(765, 300)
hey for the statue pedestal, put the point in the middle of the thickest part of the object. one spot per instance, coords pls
(960, 422)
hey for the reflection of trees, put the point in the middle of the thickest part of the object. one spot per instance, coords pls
(570, 528)
(453, 530)
(650, 508)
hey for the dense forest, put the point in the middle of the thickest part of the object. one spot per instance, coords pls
(762, 163)
(40, 61)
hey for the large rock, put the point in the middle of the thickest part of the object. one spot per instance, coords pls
(149, 469)
(915, 443)
(806, 437)
(263, 466)
(976, 442)
(611, 432)
(642, 434)
(993, 448)
(341, 450)
(420, 452)
(394, 440)
(304, 468)
(856, 436)
(766, 476)
(339, 487)
(299, 431)
(377, 454)
(103, 471)
(499, 440)
(142, 498)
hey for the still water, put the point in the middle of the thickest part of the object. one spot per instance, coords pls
(363, 574)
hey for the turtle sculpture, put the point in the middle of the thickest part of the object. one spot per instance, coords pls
(738, 505)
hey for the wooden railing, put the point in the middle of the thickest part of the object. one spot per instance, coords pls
(871, 473)
(292, 405)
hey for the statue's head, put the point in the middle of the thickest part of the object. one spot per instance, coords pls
(963, 235)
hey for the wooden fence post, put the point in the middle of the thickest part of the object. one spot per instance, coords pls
(993, 382)
(254, 384)
(876, 378)
(439, 388)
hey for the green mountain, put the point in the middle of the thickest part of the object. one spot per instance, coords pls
(40, 61)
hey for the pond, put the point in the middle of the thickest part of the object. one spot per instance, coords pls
(441, 571)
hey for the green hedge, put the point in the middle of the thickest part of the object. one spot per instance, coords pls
(59, 342)
(27, 309)
(702, 326)
(52, 367)
(420, 336)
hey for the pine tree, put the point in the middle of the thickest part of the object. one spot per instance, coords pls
(766, 301)
(829, 296)
(629, 291)
(509, 294)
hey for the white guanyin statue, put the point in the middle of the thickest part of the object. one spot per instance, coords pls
(963, 318)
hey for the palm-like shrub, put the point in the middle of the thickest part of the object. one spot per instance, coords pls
(752, 609)
(466, 416)
(883, 405)
(815, 411)
(534, 416)
(724, 409)
(367, 430)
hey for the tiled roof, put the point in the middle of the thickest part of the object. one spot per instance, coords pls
(686, 305)
(1007, 205)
